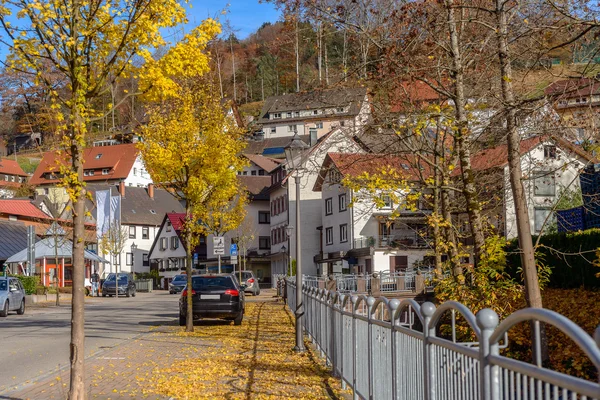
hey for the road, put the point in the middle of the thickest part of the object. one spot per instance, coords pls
(37, 343)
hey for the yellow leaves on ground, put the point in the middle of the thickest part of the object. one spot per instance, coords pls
(252, 361)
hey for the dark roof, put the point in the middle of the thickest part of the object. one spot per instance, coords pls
(14, 238)
(257, 186)
(262, 146)
(137, 208)
(316, 99)
(570, 88)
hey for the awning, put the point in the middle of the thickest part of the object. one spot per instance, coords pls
(45, 248)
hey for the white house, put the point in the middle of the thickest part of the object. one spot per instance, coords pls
(12, 177)
(314, 113)
(167, 253)
(366, 238)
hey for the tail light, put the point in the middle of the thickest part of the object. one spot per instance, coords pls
(232, 292)
(184, 293)
(251, 280)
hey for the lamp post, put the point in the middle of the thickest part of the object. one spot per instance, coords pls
(288, 230)
(284, 251)
(294, 154)
(133, 249)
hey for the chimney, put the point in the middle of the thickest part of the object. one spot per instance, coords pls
(122, 188)
(151, 190)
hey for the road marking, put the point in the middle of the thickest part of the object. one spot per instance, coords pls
(112, 358)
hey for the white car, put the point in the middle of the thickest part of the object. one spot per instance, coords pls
(12, 296)
(251, 283)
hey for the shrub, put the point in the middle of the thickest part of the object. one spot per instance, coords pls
(30, 283)
(65, 290)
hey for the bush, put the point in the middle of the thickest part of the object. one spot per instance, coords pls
(30, 283)
(68, 290)
(568, 255)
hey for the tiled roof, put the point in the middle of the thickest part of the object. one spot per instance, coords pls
(259, 146)
(266, 163)
(177, 220)
(118, 159)
(11, 167)
(22, 208)
(412, 93)
(14, 238)
(257, 186)
(569, 88)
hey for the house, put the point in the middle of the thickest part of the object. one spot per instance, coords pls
(550, 166)
(108, 165)
(273, 147)
(142, 212)
(366, 238)
(259, 165)
(314, 113)
(283, 204)
(12, 177)
(14, 238)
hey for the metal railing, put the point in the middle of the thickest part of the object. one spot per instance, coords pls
(391, 349)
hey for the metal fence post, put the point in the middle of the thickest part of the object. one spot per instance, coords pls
(354, 299)
(342, 297)
(427, 310)
(394, 304)
(370, 302)
(487, 320)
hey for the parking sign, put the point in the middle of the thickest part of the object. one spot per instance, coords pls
(218, 245)
(233, 249)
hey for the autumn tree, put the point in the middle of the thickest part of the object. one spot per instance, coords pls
(191, 148)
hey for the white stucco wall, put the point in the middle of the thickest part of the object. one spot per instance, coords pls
(138, 176)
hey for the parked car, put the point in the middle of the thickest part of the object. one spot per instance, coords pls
(12, 296)
(126, 286)
(214, 296)
(177, 284)
(251, 282)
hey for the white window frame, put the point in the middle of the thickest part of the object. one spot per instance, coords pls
(105, 171)
(329, 206)
(329, 235)
(132, 228)
(145, 232)
(538, 223)
(129, 258)
(343, 233)
(342, 204)
(539, 183)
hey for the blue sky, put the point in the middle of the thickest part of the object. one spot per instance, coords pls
(245, 16)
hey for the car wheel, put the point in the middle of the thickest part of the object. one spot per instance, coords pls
(21, 309)
(238, 319)
(103, 294)
(171, 292)
(4, 311)
(182, 320)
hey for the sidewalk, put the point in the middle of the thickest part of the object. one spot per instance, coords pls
(218, 360)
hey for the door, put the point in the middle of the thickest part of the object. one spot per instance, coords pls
(368, 266)
(15, 294)
(398, 263)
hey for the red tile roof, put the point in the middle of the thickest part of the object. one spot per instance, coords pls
(413, 93)
(266, 163)
(119, 159)
(22, 208)
(11, 167)
(177, 220)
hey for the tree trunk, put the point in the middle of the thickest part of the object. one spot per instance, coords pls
(189, 319)
(297, 49)
(320, 51)
(56, 268)
(77, 350)
(462, 136)
(233, 67)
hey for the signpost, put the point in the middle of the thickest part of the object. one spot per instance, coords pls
(219, 248)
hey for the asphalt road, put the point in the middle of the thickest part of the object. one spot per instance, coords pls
(37, 343)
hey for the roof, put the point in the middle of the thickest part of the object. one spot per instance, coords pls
(266, 163)
(263, 146)
(24, 208)
(11, 167)
(568, 88)
(137, 208)
(411, 93)
(14, 238)
(118, 158)
(315, 99)
(46, 248)
(257, 186)
(353, 165)
(177, 220)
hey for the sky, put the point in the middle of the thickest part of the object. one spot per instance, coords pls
(245, 16)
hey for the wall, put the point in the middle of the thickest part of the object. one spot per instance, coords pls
(138, 176)
(381, 258)
(164, 255)
(143, 247)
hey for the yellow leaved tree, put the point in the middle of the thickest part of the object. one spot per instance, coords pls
(191, 148)
(89, 45)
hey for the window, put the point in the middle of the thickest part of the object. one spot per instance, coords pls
(544, 183)
(315, 112)
(550, 152)
(329, 235)
(319, 125)
(343, 233)
(174, 242)
(263, 217)
(291, 128)
(135, 171)
(145, 260)
(289, 114)
(88, 172)
(328, 206)
(540, 215)
(12, 178)
(132, 232)
(105, 171)
(342, 202)
(145, 232)
(261, 172)
(163, 244)
(252, 172)
(6, 178)
(387, 202)
(297, 114)
(276, 115)
(168, 226)
(129, 258)
(264, 243)
(342, 123)
(273, 130)
(98, 156)
(340, 109)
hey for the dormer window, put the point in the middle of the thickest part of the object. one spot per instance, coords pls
(105, 171)
(88, 172)
(315, 112)
(340, 109)
(276, 115)
(289, 115)
(98, 156)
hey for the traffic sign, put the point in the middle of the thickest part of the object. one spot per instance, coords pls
(218, 245)
(234, 260)
(233, 249)
(195, 259)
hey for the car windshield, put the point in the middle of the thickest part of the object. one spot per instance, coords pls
(180, 278)
(246, 275)
(122, 278)
(3, 286)
(212, 283)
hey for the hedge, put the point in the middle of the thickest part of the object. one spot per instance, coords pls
(30, 283)
(569, 255)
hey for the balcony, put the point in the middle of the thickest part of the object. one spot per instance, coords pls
(397, 240)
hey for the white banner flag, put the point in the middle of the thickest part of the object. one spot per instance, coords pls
(102, 212)
(115, 210)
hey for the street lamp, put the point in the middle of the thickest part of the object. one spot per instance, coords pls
(288, 230)
(294, 154)
(133, 249)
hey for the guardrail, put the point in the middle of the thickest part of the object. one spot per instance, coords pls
(392, 350)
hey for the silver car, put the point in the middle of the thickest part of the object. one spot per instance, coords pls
(251, 282)
(12, 296)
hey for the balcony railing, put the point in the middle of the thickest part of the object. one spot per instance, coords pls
(395, 240)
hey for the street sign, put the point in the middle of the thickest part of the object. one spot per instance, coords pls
(218, 245)
(195, 258)
(234, 260)
(233, 249)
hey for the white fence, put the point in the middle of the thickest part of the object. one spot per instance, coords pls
(391, 349)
